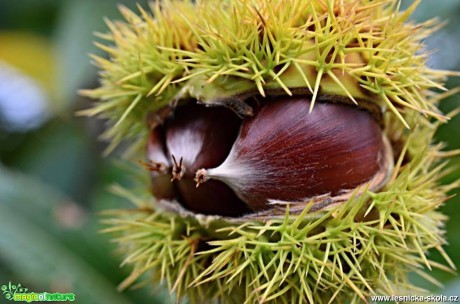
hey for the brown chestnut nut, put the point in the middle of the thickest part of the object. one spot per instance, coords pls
(284, 153)
(198, 137)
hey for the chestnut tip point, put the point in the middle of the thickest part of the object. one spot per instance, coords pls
(178, 169)
(201, 177)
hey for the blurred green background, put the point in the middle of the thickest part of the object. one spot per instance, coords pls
(53, 180)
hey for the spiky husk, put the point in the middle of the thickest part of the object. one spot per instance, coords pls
(221, 52)
(343, 255)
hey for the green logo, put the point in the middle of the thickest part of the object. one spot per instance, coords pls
(10, 290)
(18, 293)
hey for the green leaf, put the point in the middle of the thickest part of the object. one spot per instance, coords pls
(37, 255)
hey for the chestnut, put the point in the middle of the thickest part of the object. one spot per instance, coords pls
(283, 153)
(194, 137)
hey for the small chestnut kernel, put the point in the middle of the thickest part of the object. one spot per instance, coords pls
(284, 153)
(198, 137)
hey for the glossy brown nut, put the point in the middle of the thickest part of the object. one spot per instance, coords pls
(203, 137)
(285, 153)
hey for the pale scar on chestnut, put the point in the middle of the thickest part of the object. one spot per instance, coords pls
(283, 153)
